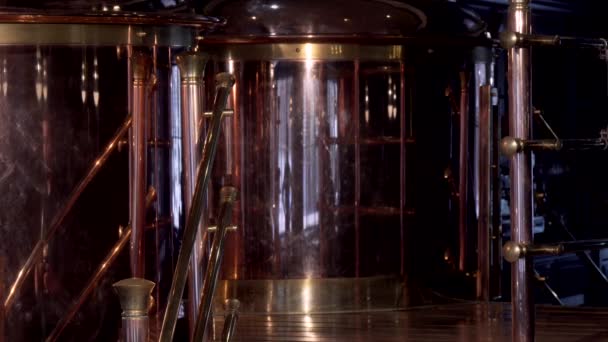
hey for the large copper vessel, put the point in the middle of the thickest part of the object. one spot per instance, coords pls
(71, 183)
(339, 131)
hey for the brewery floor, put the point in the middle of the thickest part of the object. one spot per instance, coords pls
(455, 322)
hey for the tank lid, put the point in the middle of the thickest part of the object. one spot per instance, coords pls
(269, 18)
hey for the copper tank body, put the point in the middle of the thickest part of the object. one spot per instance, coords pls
(66, 86)
(324, 151)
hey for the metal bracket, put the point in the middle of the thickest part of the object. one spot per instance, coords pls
(227, 112)
(212, 229)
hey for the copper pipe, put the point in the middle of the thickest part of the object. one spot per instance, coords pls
(357, 142)
(228, 196)
(520, 117)
(192, 66)
(98, 275)
(64, 211)
(230, 319)
(402, 170)
(485, 193)
(463, 183)
(224, 83)
(141, 67)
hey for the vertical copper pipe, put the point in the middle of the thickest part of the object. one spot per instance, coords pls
(63, 212)
(224, 83)
(97, 276)
(192, 66)
(357, 120)
(463, 184)
(520, 115)
(402, 168)
(141, 73)
(485, 192)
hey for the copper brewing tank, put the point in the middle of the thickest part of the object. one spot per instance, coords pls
(68, 81)
(332, 103)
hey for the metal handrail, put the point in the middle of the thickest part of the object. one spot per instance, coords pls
(65, 210)
(99, 274)
(231, 318)
(228, 196)
(224, 83)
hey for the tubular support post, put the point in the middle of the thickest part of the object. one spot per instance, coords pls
(192, 66)
(463, 183)
(485, 193)
(231, 319)
(224, 83)
(141, 68)
(134, 295)
(520, 118)
(64, 211)
(98, 275)
(228, 196)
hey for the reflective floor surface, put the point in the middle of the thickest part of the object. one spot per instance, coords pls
(468, 322)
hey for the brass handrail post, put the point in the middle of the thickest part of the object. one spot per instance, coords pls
(231, 318)
(227, 198)
(134, 295)
(224, 83)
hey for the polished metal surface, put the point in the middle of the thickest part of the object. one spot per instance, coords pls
(224, 83)
(484, 223)
(95, 35)
(231, 318)
(317, 149)
(134, 295)
(141, 65)
(57, 221)
(192, 66)
(101, 271)
(325, 295)
(463, 322)
(205, 313)
(101, 29)
(520, 119)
